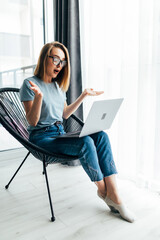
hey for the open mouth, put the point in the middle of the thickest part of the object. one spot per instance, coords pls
(56, 71)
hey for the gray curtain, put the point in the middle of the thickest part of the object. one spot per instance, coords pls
(67, 31)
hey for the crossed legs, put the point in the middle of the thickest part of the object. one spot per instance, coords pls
(96, 157)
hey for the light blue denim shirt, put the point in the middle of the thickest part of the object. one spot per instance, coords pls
(52, 103)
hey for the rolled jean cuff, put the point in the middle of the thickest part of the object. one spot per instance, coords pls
(99, 178)
(96, 179)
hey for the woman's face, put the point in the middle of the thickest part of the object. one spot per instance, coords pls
(52, 69)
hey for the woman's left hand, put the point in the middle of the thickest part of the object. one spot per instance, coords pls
(91, 92)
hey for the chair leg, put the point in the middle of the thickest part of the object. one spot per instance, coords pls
(46, 164)
(49, 195)
(17, 170)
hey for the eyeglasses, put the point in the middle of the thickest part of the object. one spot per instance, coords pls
(57, 61)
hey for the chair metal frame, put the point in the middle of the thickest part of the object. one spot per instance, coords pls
(16, 125)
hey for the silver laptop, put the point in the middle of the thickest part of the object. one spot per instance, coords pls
(100, 117)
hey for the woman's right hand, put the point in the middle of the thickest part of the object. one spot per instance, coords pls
(35, 89)
(33, 108)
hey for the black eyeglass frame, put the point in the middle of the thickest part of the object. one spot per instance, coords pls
(62, 62)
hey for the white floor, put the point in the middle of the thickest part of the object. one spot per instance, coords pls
(80, 214)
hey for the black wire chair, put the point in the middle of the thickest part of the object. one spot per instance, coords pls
(13, 119)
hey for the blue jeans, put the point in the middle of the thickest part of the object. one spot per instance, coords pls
(94, 151)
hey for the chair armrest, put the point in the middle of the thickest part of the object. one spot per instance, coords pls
(77, 119)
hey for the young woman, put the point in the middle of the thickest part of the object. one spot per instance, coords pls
(44, 99)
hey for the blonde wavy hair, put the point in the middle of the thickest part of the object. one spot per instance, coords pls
(63, 78)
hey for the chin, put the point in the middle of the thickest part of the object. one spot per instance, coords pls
(54, 76)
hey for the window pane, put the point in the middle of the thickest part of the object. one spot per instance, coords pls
(21, 38)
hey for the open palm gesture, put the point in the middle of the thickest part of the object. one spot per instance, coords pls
(91, 92)
(35, 89)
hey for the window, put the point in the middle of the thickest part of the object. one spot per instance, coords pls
(21, 38)
(27, 25)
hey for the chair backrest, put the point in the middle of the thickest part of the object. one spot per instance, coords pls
(12, 112)
(13, 119)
